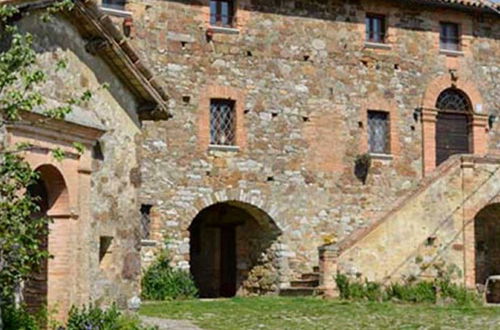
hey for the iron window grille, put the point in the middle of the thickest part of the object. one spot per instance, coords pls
(375, 28)
(222, 122)
(449, 36)
(222, 13)
(114, 4)
(378, 132)
(453, 100)
(146, 221)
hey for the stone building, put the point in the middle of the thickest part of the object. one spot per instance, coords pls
(275, 105)
(364, 128)
(91, 197)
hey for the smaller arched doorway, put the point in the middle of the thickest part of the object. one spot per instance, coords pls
(227, 241)
(51, 197)
(453, 124)
(487, 247)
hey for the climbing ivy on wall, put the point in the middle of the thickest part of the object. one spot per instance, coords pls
(20, 79)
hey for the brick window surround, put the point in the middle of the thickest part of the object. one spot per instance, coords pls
(478, 123)
(219, 92)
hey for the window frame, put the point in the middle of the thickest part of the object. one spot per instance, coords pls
(214, 141)
(114, 4)
(445, 40)
(217, 18)
(372, 37)
(371, 148)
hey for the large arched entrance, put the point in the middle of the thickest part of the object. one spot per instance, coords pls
(51, 196)
(453, 124)
(487, 247)
(227, 241)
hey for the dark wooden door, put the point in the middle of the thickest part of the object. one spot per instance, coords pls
(35, 289)
(228, 261)
(452, 135)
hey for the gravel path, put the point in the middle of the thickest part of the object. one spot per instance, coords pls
(164, 324)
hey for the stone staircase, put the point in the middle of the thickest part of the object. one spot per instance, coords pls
(436, 221)
(307, 285)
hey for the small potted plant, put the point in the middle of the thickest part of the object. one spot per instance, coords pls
(362, 166)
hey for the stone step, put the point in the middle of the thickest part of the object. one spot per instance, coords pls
(297, 292)
(304, 283)
(310, 276)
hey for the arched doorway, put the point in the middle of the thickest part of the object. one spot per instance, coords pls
(487, 247)
(227, 241)
(453, 124)
(51, 196)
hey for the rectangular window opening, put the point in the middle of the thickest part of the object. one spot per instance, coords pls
(222, 13)
(222, 122)
(375, 28)
(104, 246)
(114, 4)
(146, 221)
(378, 132)
(449, 37)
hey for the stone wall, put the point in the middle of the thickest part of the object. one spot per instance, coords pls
(108, 212)
(304, 79)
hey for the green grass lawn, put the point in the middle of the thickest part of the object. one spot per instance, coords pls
(315, 313)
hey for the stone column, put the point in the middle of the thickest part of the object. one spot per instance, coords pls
(479, 134)
(469, 242)
(87, 265)
(327, 271)
(429, 118)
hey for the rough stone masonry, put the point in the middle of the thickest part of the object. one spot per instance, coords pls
(303, 78)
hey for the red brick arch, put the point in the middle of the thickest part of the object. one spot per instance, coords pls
(479, 121)
(58, 196)
(444, 82)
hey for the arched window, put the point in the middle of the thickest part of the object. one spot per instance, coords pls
(453, 99)
(452, 125)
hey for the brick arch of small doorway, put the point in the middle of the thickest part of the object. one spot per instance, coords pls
(228, 242)
(478, 124)
(46, 285)
(484, 248)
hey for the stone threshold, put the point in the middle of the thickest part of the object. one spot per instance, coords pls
(225, 30)
(377, 45)
(454, 53)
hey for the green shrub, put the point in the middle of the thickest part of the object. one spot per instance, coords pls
(18, 318)
(162, 282)
(458, 293)
(95, 318)
(414, 292)
(356, 290)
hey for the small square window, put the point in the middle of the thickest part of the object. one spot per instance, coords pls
(222, 122)
(449, 36)
(114, 4)
(222, 13)
(378, 132)
(375, 28)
